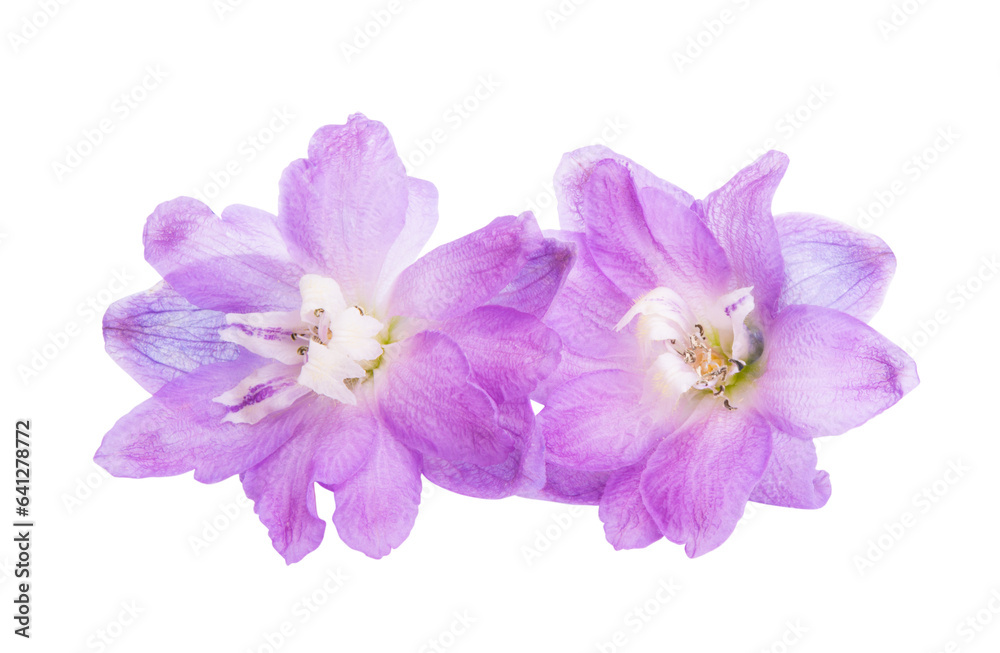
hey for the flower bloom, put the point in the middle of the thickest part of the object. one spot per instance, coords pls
(706, 343)
(311, 347)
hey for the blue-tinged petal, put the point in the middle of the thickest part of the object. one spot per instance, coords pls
(826, 372)
(543, 274)
(421, 218)
(157, 335)
(831, 264)
(572, 486)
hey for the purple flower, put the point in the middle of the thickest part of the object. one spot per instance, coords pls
(309, 347)
(705, 344)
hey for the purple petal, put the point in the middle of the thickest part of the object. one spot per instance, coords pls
(698, 480)
(575, 168)
(180, 429)
(588, 307)
(568, 485)
(627, 523)
(522, 472)
(791, 479)
(342, 209)
(831, 264)
(234, 264)
(509, 351)
(827, 372)
(428, 399)
(617, 234)
(455, 278)
(596, 422)
(377, 506)
(739, 216)
(543, 274)
(157, 335)
(694, 265)
(331, 442)
(421, 218)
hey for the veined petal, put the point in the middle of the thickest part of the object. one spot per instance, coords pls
(268, 389)
(234, 264)
(180, 429)
(421, 218)
(459, 276)
(544, 272)
(572, 486)
(791, 478)
(627, 523)
(428, 399)
(157, 336)
(509, 352)
(575, 168)
(342, 209)
(831, 264)
(739, 217)
(617, 234)
(596, 422)
(377, 506)
(265, 334)
(697, 482)
(667, 316)
(827, 372)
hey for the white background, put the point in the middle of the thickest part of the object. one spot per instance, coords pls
(532, 576)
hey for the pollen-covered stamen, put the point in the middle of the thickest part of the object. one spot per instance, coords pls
(688, 353)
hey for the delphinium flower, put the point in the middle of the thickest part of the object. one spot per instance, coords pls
(311, 347)
(706, 343)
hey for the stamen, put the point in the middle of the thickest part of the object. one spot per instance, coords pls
(728, 407)
(318, 312)
(303, 349)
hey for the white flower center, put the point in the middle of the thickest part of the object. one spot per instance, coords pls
(689, 354)
(326, 347)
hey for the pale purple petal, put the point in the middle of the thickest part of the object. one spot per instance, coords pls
(543, 274)
(827, 372)
(180, 428)
(522, 472)
(455, 278)
(698, 480)
(509, 352)
(574, 169)
(694, 265)
(421, 218)
(157, 335)
(617, 234)
(791, 478)
(342, 209)
(568, 485)
(377, 506)
(233, 264)
(596, 422)
(739, 216)
(627, 523)
(831, 264)
(588, 307)
(428, 398)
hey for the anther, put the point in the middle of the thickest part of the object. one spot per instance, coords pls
(318, 312)
(728, 407)
(738, 363)
(303, 349)
(701, 331)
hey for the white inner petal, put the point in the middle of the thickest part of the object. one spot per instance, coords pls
(318, 348)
